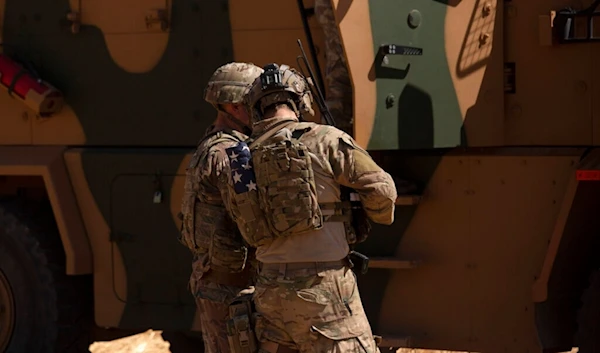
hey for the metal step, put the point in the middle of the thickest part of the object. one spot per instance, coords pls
(393, 263)
(408, 200)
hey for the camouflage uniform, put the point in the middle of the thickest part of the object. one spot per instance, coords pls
(221, 265)
(339, 87)
(306, 295)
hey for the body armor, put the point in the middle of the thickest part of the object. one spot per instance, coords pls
(207, 228)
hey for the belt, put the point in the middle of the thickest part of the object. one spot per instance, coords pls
(303, 265)
(241, 279)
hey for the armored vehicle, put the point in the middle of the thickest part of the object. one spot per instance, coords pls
(489, 106)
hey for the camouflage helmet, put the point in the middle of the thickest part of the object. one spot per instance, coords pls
(279, 84)
(230, 83)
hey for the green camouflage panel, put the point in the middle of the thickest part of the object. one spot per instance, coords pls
(337, 78)
(286, 184)
(312, 307)
(207, 229)
(417, 105)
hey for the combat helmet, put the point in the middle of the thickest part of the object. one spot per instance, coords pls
(229, 84)
(279, 84)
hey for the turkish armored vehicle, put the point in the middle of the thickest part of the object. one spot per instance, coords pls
(492, 112)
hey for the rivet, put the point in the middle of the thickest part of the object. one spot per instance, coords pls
(414, 19)
(484, 38)
(487, 9)
(389, 101)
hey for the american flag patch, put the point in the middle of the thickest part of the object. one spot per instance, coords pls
(242, 171)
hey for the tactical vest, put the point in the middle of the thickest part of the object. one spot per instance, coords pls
(274, 194)
(206, 225)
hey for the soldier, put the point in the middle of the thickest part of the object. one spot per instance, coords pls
(284, 192)
(339, 87)
(220, 269)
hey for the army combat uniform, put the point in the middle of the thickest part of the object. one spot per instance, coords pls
(285, 197)
(221, 267)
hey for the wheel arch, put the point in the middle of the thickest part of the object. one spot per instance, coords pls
(48, 164)
(570, 260)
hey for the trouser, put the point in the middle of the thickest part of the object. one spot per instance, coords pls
(214, 316)
(311, 307)
(213, 299)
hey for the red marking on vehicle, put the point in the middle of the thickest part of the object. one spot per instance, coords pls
(588, 175)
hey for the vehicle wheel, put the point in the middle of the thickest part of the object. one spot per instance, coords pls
(588, 333)
(41, 309)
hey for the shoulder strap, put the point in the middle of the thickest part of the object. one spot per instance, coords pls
(270, 133)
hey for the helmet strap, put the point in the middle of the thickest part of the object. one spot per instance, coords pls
(242, 127)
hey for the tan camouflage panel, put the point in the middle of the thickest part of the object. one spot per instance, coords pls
(286, 185)
(110, 277)
(337, 77)
(349, 164)
(312, 308)
(132, 44)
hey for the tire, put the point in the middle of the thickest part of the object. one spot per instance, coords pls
(588, 334)
(46, 310)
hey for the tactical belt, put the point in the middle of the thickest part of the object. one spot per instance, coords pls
(240, 280)
(304, 265)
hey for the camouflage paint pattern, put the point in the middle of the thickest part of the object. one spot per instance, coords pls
(453, 96)
(111, 105)
(481, 240)
(312, 309)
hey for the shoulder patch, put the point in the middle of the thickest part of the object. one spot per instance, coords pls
(209, 141)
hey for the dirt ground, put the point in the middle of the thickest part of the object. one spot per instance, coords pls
(154, 342)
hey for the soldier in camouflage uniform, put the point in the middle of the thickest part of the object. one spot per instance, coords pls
(220, 268)
(339, 87)
(284, 192)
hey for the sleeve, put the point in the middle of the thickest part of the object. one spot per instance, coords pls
(216, 171)
(353, 167)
